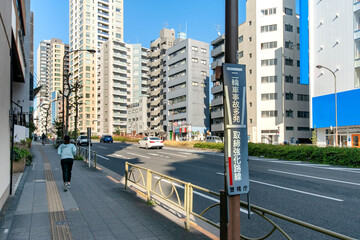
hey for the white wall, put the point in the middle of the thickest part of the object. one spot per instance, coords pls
(5, 40)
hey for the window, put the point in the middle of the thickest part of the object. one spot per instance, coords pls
(288, 28)
(241, 38)
(203, 85)
(289, 96)
(250, 22)
(203, 73)
(268, 79)
(203, 61)
(203, 50)
(195, 84)
(241, 54)
(303, 114)
(289, 113)
(268, 45)
(303, 97)
(267, 114)
(195, 60)
(289, 79)
(250, 71)
(288, 128)
(268, 96)
(194, 48)
(303, 129)
(250, 39)
(298, 29)
(288, 11)
(269, 11)
(289, 44)
(298, 63)
(269, 28)
(268, 62)
(289, 62)
(298, 80)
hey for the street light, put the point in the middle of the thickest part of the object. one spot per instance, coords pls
(336, 121)
(63, 88)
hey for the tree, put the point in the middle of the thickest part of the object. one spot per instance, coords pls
(76, 102)
(58, 128)
(117, 131)
(314, 136)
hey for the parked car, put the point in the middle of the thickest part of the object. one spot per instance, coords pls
(214, 139)
(151, 142)
(106, 139)
(83, 140)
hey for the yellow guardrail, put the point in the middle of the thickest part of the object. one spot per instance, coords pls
(84, 153)
(186, 205)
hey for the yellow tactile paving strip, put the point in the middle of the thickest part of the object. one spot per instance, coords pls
(59, 227)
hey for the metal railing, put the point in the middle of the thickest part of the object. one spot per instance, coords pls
(144, 178)
(84, 153)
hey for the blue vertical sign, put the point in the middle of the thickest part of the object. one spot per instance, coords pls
(236, 144)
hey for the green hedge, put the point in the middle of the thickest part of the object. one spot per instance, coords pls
(125, 139)
(209, 145)
(329, 155)
(20, 153)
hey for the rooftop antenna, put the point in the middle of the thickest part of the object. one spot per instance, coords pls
(165, 24)
(218, 27)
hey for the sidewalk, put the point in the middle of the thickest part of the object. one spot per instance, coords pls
(94, 208)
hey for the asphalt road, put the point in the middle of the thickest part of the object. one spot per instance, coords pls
(322, 195)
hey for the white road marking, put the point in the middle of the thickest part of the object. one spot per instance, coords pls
(219, 173)
(101, 147)
(118, 155)
(298, 191)
(200, 194)
(187, 153)
(175, 154)
(320, 178)
(103, 157)
(6, 230)
(158, 155)
(33, 167)
(137, 155)
(153, 154)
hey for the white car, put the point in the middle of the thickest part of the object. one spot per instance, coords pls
(151, 142)
(83, 140)
(214, 139)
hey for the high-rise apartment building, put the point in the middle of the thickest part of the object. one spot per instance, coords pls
(156, 93)
(50, 67)
(277, 104)
(186, 109)
(91, 24)
(330, 51)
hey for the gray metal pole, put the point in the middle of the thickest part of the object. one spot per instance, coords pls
(231, 49)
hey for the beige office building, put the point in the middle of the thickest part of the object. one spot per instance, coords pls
(156, 93)
(91, 24)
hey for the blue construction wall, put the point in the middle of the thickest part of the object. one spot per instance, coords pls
(304, 42)
(348, 109)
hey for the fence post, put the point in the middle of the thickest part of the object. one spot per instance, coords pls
(187, 205)
(95, 160)
(148, 184)
(126, 174)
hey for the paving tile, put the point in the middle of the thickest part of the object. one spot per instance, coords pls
(143, 234)
(21, 221)
(40, 219)
(81, 233)
(104, 235)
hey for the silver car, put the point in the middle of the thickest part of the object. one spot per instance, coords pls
(214, 139)
(151, 142)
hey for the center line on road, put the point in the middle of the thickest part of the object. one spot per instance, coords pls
(137, 155)
(320, 178)
(200, 194)
(103, 157)
(298, 191)
(175, 154)
(101, 147)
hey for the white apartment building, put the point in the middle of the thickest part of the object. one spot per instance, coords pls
(91, 24)
(136, 115)
(278, 105)
(186, 91)
(333, 40)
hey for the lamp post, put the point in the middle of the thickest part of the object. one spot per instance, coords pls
(336, 121)
(66, 76)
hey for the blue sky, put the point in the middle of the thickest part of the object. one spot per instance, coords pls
(143, 19)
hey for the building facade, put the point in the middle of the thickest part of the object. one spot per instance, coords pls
(186, 105)
(156, 64)
(333, 34)
(137, 120)
(278, 105)
(91, 24)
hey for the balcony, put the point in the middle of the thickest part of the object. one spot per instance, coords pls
(357, 62)
(119, 107)
(119, 115)
(119, 100)
(156, 92)
(119, 78)
(218, 51)
(119, 123)
(217, 89)
(156, 112)
(217, 114)
(119, 47)
(217, 127)
(155, 73)
(155, 63)
(179, 116)
(155, 54)
(357, 35)
(120, 63)
(217, 101)
(119, 55)
(356, 6)
(155, 122)
(120, 70)
(216, 63)
(119, 93)
(155, 102)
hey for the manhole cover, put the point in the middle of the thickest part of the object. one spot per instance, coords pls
(61, 223)
(40, 181)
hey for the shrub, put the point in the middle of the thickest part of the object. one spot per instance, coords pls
(28, 142)
(125, 139)
(20, 153)
(29, 159)
(180, 144)
(209, 145)
(78, 157)
(95, 137)
(330, 155)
